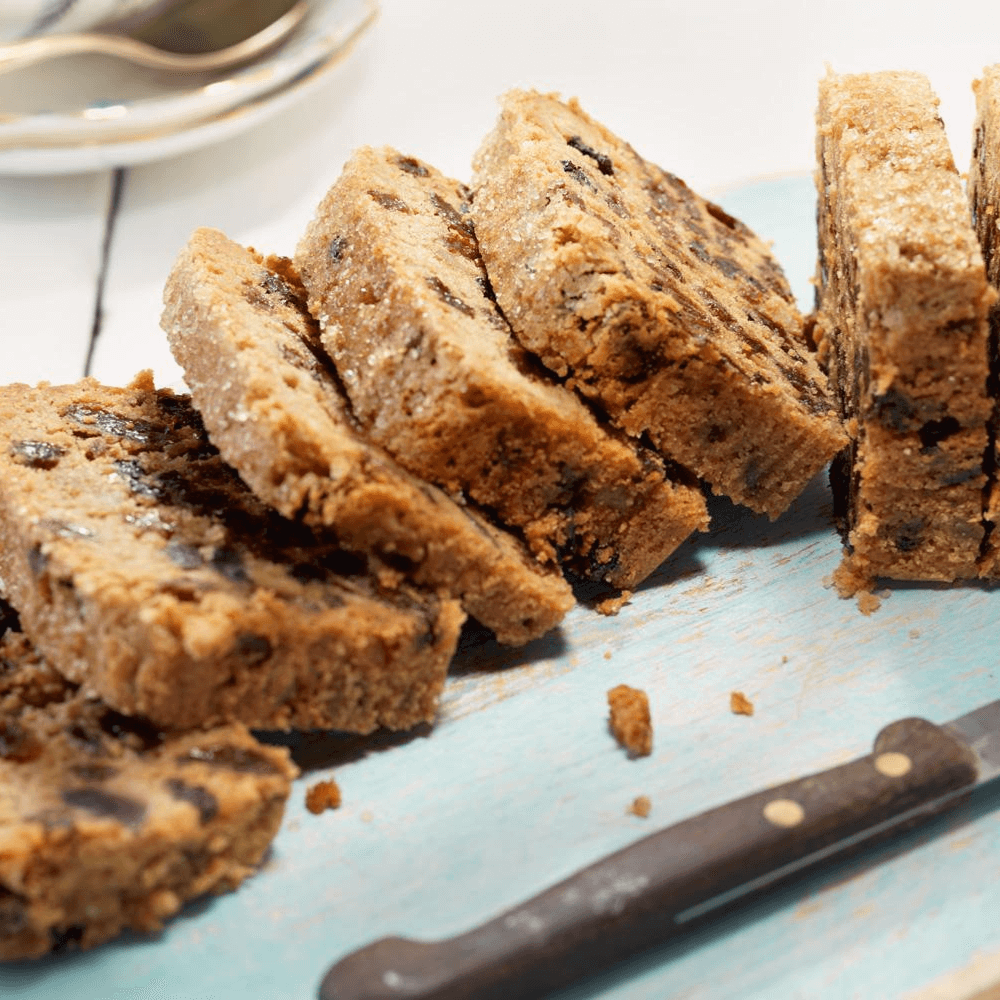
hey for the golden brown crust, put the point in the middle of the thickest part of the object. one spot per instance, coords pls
(142, 566)
(273, 405)
(902, 328)
(394, 277)
(107, 823)
(651, 300)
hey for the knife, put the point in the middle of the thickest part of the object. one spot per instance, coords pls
(652, 889)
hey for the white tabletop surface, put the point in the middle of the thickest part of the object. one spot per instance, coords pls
(716, 92)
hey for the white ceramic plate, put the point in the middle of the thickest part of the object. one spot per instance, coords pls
(87, 113)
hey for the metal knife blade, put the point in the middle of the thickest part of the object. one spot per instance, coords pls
(642, 894)
(980, 731)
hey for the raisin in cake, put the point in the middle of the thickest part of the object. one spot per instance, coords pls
(394, 276)
(143, 568)
(984, 193)
(273, 406)
(902, 328)
(106, 823)
(652, 301)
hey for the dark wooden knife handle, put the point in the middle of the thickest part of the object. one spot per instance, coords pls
(643, 893)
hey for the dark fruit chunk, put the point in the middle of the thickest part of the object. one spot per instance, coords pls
(602, 160)
(126, 811)
(36, 454)
(197, 795)
(230, 757)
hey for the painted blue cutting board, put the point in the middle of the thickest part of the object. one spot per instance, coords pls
(519, 783)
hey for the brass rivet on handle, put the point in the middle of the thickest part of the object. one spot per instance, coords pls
(784, 812)
(893, 765)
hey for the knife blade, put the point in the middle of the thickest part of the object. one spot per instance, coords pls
(644, 893)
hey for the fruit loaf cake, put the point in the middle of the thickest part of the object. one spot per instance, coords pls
(902, 329)
(652, 301)
(107, 823)
(145, 570)
(984, 194)
(406, 312)
(273, 405)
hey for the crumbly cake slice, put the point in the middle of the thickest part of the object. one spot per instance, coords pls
(143, 568)
(902, 328)
(271, 403)
(106, 823)
(393, 273)
(984, 194)
(652, 301)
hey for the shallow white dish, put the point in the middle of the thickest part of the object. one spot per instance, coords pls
(96, 113)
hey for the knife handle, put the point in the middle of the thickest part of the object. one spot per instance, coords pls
(642, 894)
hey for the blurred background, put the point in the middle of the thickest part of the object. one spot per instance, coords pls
(715, 92)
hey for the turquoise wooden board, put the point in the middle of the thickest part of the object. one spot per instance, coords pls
(519, 783)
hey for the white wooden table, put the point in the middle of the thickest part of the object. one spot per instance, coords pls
(519, 783)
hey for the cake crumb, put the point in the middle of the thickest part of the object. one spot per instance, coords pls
(849, 580)
(367, 816)
(610, 606)
(630, 720)
(740, 704)
(868, 603)
(607, 654)
(323, 795)
(641, 806)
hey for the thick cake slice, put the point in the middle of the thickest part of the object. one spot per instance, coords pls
(902, 326)
(143, 568)
(107, 823)
(406, 312)
(984, 193)
(273, 406)
(652, 301)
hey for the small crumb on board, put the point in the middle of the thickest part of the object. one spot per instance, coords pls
(612, 605)
(740, 704)
(630, 720)
(868, 602)
(640, 806)
(849, 582)
(323, 795)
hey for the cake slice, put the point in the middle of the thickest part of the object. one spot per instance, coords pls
(144, 569)
(107, 823)
(651, 301)
(984, 194)
(902, 327)
(393, 273)
(273, 405)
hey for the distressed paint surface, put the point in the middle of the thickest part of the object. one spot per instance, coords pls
(520, 782)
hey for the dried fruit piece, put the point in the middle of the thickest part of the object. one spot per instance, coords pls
(150, 572)
(435, 377)
(299, 448)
